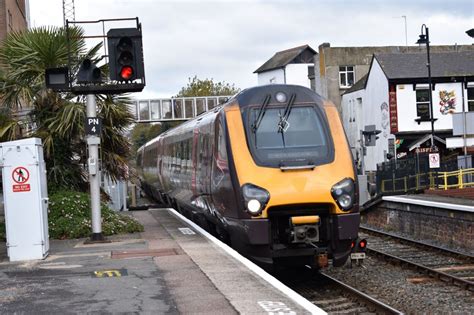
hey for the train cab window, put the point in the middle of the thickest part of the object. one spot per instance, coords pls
(303, 140)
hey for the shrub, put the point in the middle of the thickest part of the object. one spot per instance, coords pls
(69, 216)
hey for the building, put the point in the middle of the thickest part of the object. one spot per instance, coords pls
(394, 97)
(338, 68)
(291, 66)
(13, 16)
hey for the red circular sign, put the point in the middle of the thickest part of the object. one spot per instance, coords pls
(20, 175)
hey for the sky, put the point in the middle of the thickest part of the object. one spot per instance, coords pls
(228, 40)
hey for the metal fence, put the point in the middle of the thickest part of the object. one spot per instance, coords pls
(412, 175)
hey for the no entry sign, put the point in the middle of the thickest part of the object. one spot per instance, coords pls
(20, 176)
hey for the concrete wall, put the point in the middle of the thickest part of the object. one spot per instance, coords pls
(298, 74)
(444, 227)
(330, 58)
(406, 107)
(272, 76)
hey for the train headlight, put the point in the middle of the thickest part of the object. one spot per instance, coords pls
(280, 97)
(255, 198)
(343, 194)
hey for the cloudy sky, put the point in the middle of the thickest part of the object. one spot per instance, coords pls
(227, 40)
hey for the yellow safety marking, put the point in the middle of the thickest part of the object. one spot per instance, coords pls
(308, 219)
(107, 273)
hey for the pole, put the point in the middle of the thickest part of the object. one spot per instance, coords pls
(94, 173)
(464, 123)
(430, 87)
(406, 35)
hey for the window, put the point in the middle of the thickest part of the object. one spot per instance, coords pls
(423, 104)
(304, 141)
(346, 76)
(470, 99)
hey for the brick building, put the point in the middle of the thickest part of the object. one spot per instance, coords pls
(13, 16)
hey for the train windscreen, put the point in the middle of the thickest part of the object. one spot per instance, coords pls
(300, 138)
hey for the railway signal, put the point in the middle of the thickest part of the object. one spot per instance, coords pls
(88, 73)
(125, 54)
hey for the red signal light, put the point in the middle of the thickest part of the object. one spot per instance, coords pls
(363, 244)
(353, 244)
(126, 72)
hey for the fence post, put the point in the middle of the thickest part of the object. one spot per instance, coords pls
(445, 180)
(460, 179)
(405, 182)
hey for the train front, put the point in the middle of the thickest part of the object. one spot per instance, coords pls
(295, 177)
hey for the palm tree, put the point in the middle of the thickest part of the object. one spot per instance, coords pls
(58, 118)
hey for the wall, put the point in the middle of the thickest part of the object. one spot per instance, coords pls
(298, 74)
(18, 13)
(353, 119)
(444, 227)
(406, 106)
(376, 113)
(277, 74)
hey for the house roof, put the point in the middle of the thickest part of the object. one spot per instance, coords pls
(284, 57)
(359, 85)
(413, 65)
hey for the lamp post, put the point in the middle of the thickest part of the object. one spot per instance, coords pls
(425, 39)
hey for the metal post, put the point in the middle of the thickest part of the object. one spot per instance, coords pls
(94, 173)
(430, 86)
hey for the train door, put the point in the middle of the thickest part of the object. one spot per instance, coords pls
(222, 190)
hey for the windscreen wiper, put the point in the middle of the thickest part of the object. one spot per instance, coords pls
(283, 123)
(261, 113)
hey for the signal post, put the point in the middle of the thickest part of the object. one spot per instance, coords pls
(126, 74)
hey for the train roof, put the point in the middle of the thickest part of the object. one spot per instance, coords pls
(255, 95)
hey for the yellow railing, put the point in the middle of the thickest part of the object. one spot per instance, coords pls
(406, 182)
(465, 178)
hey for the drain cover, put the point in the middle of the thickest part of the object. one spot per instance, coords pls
(144, 253)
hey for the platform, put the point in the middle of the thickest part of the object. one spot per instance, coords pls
(172, 267)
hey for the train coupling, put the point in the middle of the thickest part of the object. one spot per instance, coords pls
(304, 229)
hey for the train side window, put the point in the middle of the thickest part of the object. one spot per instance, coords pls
(221, 148)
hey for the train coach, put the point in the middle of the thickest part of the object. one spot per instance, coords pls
(270, 172)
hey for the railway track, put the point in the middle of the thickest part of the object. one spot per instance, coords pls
(334, 296)
(437, 262)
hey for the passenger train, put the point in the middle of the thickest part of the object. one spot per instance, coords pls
(270, 172)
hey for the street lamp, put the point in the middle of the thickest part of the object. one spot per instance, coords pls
(425, 39)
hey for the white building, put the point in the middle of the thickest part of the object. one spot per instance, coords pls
(291, 66)
(394, 97)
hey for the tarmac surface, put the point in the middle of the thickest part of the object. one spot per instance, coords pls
(170, 268)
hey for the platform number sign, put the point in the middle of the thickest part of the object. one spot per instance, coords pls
(93, 126)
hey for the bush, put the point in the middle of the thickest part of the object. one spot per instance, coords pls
(69, 216)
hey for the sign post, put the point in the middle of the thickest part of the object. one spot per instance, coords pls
(93, 142)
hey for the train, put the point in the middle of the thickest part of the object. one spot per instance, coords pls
(270, 172)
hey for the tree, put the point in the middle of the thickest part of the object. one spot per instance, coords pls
(58, 118)
(207, 87)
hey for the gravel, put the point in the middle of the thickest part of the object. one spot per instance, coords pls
(404, 289)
